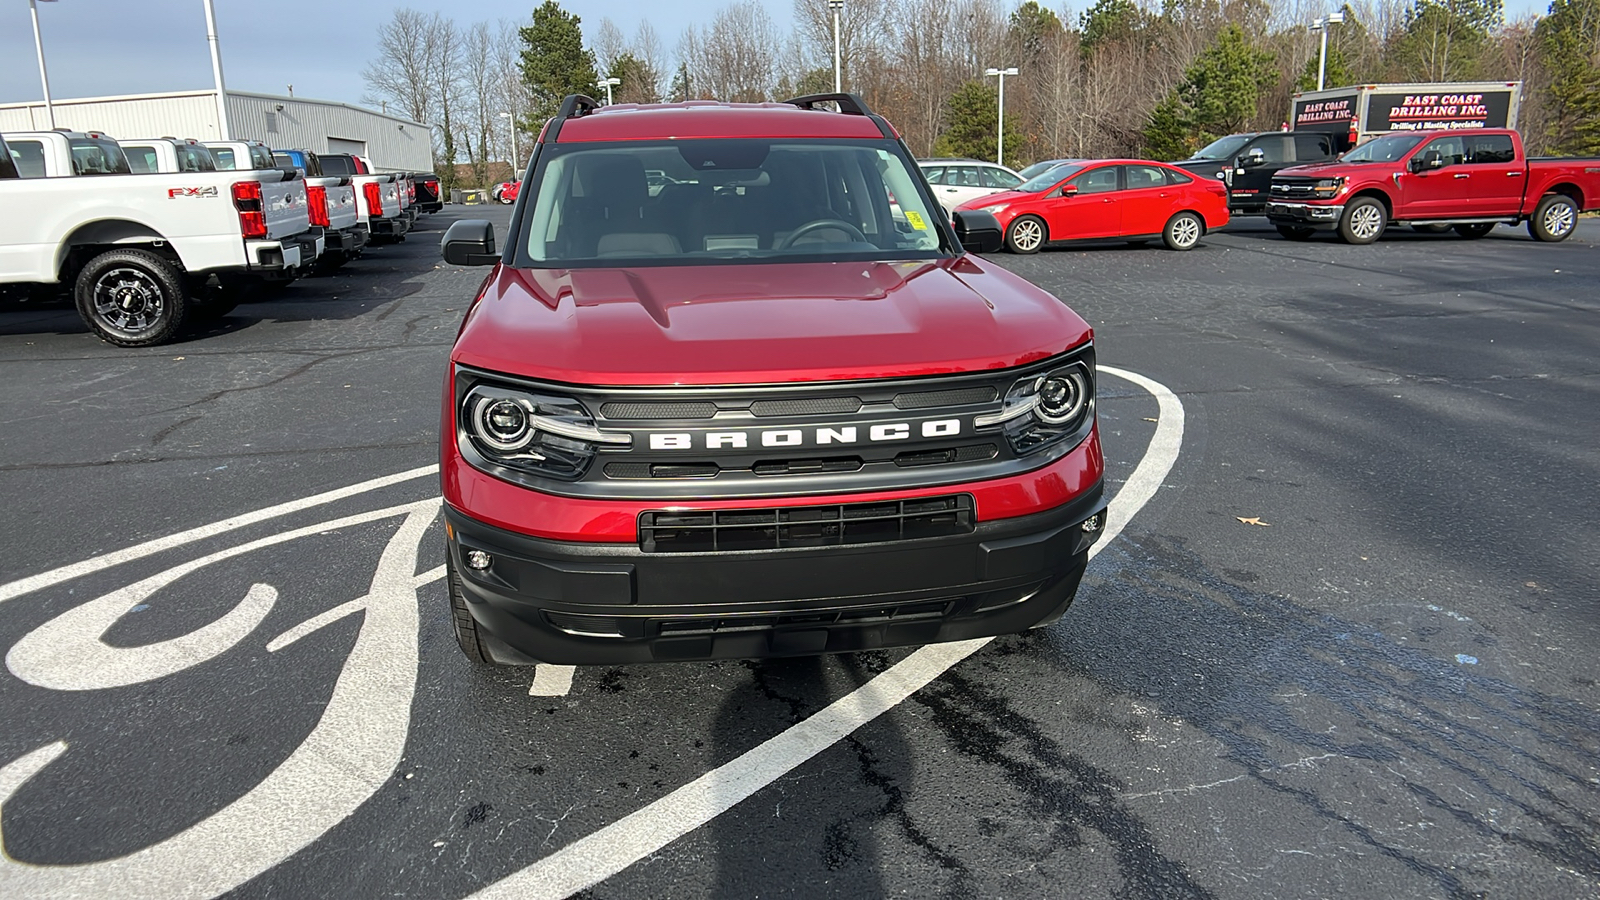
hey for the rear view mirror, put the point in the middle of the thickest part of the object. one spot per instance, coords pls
(470, 242)
(1067, 190)
(978, 231)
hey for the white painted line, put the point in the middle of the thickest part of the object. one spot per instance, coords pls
(551, 681)
(596, 857)
(138, 551)
(351, 753)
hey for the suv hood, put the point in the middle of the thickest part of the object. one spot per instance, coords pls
(762, 323)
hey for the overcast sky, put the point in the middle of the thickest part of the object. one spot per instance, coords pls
(101, 47)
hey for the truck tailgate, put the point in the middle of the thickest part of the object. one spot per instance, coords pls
(284, 203)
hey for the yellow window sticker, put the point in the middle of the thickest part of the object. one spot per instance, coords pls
(916, 220)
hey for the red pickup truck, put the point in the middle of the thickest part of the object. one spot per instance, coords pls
(1470, 180)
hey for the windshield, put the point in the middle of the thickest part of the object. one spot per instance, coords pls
(1048, 179)
(1389, 148)
(694, 202)
(1223, 148)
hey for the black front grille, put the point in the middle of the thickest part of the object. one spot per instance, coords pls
(806, 406)
(957, 397)
(832, 525)
(708, 625)
(690, 410)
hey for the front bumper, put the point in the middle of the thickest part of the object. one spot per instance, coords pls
(1314, 215)
(587, 603)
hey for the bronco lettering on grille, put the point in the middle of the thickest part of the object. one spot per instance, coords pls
(798, 437)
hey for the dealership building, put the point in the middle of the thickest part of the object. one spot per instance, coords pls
(393, 144)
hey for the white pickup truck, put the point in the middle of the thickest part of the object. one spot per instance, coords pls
(167, 156)
(141, 253)
(377, 196)
(330, 200)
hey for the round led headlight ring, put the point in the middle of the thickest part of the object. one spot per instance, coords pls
(502, 424)
(1062, 396)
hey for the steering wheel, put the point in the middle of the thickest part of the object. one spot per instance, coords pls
(818, 225)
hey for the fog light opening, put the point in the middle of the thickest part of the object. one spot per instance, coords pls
(1093, 523)
(478, 560)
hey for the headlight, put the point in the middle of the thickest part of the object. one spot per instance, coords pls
(996, 208)
(1328, 187)
(1043, 410)
(538, 433)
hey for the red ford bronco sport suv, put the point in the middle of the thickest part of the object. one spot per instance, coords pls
(760, 404)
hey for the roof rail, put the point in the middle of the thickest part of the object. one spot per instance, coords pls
(851, 104)
(573, 106)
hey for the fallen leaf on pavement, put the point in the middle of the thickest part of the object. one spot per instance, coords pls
(1148, 419)
(1254, 520)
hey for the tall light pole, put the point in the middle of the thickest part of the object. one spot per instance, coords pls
(216, 70)
(44, 76)
(515, 153)
(838, 80)
(608, 84)
(1321, 24)
(1000, 129)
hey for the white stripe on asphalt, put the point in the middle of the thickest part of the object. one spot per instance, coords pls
(550, 681)
(139, 551)
(592, 859)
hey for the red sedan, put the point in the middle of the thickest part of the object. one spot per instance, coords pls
(1113, 199)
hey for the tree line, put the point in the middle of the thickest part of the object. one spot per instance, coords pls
(1156, 78)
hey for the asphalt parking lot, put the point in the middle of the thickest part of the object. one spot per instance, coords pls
(1342, 646)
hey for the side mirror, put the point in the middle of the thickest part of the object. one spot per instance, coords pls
(470, 242)
(1255, 157)
(978, 231)
(1429, 160)
(1068, 190)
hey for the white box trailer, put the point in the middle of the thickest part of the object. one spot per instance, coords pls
(1364, 111)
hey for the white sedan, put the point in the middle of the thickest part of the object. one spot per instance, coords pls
(955, 181)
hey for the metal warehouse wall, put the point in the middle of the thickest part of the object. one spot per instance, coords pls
(393, 144)
(186, 115)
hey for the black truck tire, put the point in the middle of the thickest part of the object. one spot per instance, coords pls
(131, 298)
(1554, 219)
(1474, 230)
(1296, 232)
(1363, 221)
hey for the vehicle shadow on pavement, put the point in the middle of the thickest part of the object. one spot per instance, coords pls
(1325, 720)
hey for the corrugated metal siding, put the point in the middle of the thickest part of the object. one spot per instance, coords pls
(393, 145)
(175, 115)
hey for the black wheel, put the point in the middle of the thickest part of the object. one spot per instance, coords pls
(461, 620)
(1436, 228)
(1554, 218)
(1296, 232)
(1183, 231)
(1026, 234)
(1364, 221)
(1474, 229)
(131, 298)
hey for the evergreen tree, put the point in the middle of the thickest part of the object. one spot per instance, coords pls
(1569, 43)
(639, 80)
(969, 124)
(1109, 21)
(554, 61)
(1444, 40)
(1218, 95)
(1032, 29)
(681, 88)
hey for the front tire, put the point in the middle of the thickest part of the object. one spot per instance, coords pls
(1554, 219)
(1026, 234)
(1364, 221)
(1183, 231)
(1296, 232)
(131, 298)
(1474, 230)
(461, 620)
